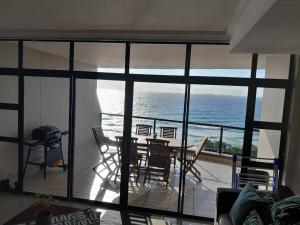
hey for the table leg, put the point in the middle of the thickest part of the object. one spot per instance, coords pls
(26, 162)
(45, 161)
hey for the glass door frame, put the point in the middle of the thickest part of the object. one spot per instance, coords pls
(252, 83)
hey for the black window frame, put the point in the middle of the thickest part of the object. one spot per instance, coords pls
(250, 124)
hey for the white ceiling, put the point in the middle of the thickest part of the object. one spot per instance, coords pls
(263, 26)
(277, 30)
(90, 17)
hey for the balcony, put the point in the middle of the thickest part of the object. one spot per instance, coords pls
(214, 164)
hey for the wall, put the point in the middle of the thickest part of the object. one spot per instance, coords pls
(46, 102)
(276, 66)
(292, 163)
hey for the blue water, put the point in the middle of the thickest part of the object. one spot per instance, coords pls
(204, 108)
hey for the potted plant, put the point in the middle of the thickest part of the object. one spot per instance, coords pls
(44, 214)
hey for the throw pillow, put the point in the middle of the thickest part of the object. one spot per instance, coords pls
(245, 203)
(286, 211)
(264, 208)
(253, 218)
(283, 192)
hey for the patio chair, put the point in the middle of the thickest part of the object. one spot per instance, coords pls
(143, 129)
(191, 158)
(254, 170)
(135, 158)
(170, 132)
(103, 141)
(158, 160)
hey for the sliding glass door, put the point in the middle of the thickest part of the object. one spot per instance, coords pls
(199, 101)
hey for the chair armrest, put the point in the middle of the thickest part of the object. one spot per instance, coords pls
(190, 152)
(225, 200)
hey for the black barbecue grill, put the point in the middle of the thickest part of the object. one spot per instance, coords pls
(50, 139)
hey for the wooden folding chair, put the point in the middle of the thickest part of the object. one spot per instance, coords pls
(143, 129)
(134, 157)
(103, 141)
(191, 157)
(170, 132)
(158, 161)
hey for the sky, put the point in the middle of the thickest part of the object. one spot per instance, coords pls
(179, 88)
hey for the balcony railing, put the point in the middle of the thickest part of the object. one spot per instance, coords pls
(221, 145)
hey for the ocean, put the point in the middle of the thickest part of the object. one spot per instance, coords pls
(211, 109)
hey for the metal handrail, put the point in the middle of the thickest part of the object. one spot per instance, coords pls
(222, 127)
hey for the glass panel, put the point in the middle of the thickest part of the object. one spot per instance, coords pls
(46, 103)
(9, 161)
(97, 162)
(265, 143)
(156, 103)
(8, 89)
(274, 66)
(8, 123)
(157, 59)
(100, 57)
(269, 104)
(217, 61)
(46, 55)
(9, 54)
(218, 113)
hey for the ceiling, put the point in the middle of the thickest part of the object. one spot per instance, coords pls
(107, 17)
(263, 26)
(276, 30)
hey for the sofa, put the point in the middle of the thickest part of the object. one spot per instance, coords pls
(226, 197)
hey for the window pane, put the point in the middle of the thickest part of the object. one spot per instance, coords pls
(217, 61)
(274, 66)
(213, 107)
(46, 102)
(265, 143)
(8, 89)
(46, 55)
(269, 104)
(9, 162)
(100, 57)
(97, 162)
(8, 54)
(158, 103)
(8, 123)
(157, 59)
(217, 112)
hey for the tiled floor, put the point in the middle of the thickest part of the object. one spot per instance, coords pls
(13, 204)
(199, 197)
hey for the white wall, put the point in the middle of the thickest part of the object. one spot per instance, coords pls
(46, 103)
(87, 111)
(276, 66)
(292, 163)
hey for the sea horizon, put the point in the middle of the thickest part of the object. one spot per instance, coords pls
(227, 110)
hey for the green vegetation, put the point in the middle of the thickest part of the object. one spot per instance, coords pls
(227, 148)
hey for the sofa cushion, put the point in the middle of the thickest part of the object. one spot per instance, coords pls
(253, 218)
(283, 192)
(287, 211)
(247, 201)
(224, 219)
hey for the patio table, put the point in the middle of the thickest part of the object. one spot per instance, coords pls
(173, 143)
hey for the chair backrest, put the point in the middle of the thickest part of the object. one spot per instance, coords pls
(99, 135)
(168, 132)
(200, 147)
(133, 149)
(158, 153)
(143, 129)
